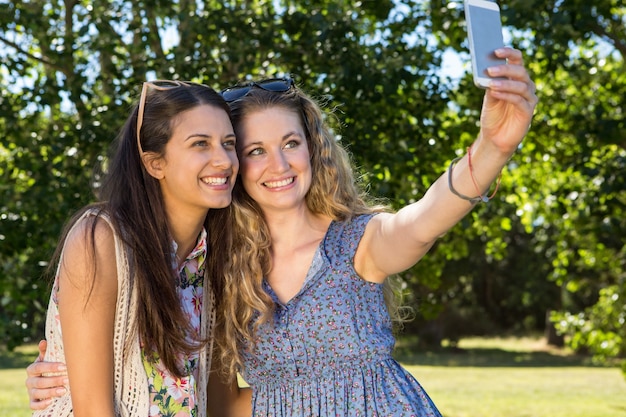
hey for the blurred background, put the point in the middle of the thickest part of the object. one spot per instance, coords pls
(546, 257)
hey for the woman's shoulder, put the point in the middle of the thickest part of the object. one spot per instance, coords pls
(91, 236)
(88, 255)
(91, 223)
(353, 225)
(343, 236)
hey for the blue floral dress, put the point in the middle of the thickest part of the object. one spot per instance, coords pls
(169, 395)
(328, 352)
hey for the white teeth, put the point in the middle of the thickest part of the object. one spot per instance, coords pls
(275, 184)
(214, 180)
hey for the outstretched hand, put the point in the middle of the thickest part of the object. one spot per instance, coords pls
(42, 387)
(509, 104)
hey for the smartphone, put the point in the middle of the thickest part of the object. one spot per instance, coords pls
(484, 32)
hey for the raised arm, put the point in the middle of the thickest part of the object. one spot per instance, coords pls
(394, 242)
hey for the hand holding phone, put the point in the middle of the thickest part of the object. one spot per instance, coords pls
(484, 30)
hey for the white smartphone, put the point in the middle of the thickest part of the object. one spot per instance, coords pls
(484, 32)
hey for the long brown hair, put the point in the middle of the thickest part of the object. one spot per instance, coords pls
(133, 201)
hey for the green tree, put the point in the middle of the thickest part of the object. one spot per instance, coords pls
(550, 240)
(73, 68)
(570, 196)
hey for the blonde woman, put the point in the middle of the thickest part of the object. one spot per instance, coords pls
(306, 321)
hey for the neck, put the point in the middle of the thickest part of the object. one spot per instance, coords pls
(291, 229)
(185, 231)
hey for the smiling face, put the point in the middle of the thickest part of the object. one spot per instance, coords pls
(199, 167)
(274, 157)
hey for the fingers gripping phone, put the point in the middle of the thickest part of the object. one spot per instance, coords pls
(484, 32)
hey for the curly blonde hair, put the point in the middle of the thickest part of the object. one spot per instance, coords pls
(334, 192)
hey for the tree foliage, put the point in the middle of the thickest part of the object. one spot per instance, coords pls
(550, 240)
(572, 195)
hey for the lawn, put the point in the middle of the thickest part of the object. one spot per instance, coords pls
(512, 377)
(13, 396)
(516, 377)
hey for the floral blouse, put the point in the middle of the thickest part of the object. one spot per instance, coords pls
(169, 395)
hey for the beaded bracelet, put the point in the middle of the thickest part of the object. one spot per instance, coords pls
(472, 200)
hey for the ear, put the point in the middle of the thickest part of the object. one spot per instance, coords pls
(154, 165)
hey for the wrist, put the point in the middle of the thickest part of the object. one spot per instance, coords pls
(492, 149)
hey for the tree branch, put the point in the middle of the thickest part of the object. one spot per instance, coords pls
(31, 56)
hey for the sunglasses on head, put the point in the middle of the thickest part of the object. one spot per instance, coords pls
(277, 85)
(159, 85)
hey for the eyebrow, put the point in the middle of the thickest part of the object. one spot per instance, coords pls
(292, 133)
(204, 135)
(285, 137)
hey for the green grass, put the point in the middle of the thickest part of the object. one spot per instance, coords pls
(13, 395)
(496, 377)
(515, 377)
(525, 392)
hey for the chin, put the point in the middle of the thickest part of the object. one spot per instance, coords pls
(220, 204)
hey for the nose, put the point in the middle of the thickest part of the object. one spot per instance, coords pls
(221, 158)
(278, 161)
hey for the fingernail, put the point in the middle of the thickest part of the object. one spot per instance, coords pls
(62, 368)
(61, 391)
(494, 70)
(66, 381)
